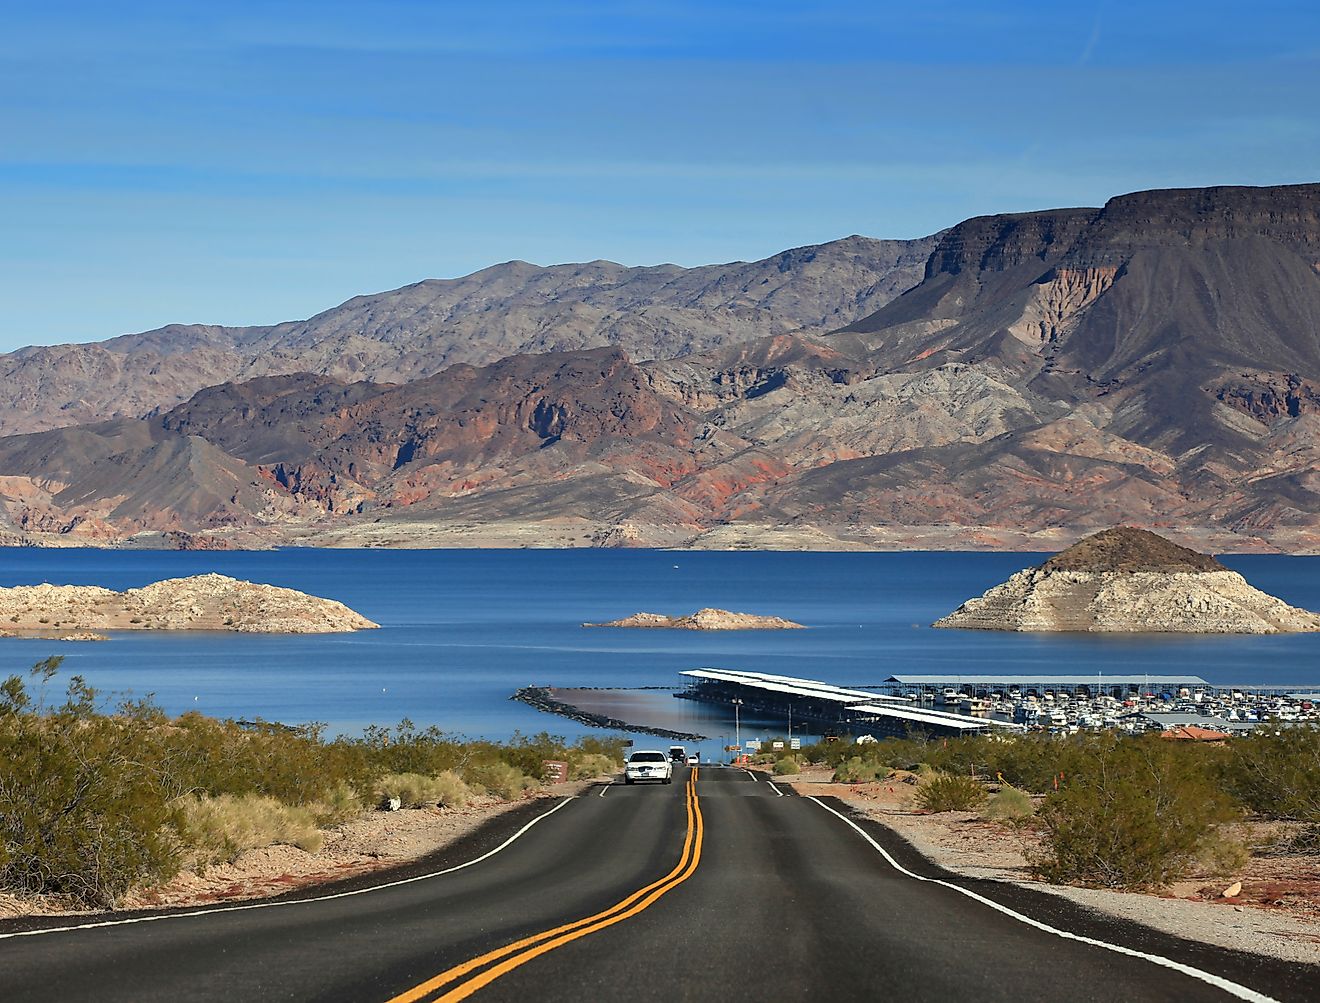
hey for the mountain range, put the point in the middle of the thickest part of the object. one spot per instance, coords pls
(1155, 361)
(655, 312)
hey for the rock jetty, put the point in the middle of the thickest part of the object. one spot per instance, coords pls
(703, 619)
(542, 698)
(1130, 580)
(202, 602)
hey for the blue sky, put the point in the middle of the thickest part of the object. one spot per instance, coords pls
(247, 163)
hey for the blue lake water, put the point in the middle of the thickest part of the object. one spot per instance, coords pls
(463, 629)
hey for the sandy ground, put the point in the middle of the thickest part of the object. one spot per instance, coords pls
(374, 841)
(1277, 912)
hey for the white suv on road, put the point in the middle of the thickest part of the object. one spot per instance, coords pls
(648, 765)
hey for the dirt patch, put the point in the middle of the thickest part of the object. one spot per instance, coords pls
(1277, 912)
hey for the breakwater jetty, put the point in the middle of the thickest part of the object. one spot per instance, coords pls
(543, 698)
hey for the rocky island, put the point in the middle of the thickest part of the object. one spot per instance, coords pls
(1130, 580)
(703, 619)
(202, 602)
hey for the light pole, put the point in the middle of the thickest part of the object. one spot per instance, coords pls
(737, 725)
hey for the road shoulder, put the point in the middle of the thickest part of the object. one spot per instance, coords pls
(965, 846)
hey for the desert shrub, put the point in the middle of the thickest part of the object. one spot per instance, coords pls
(500, 779)
(1010, 805)
(855, 770)
(340, 804)
(218, 829)
(1132, 813)
(79, 815)
(786, 767)
(414, 790)
(950, 792)
(593, 764)
(1275, 772)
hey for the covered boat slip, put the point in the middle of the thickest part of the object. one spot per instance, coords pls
(824, 704)
(1095, 684)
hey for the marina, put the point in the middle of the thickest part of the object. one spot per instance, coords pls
(954, 706)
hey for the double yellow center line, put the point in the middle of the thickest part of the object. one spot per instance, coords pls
(490, 966)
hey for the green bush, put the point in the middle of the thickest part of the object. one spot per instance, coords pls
(786, 767)
(1010, 805)
(1132, 813)
(79, 815)
(218, 829)
(1275, 772)
(949, 792)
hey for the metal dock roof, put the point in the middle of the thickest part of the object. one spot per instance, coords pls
(791, 685)
(1102, 679)
(853, 701)
(943, 718)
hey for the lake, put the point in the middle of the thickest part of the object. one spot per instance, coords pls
(462, 629)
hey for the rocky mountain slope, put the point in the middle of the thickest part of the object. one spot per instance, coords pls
(1128, 580)
(1155, 362)
(413, 332)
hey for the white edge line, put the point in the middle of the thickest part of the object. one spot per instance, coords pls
(307, 901)
(1232, 988)
(778, 792)
(751, 774)
(605, 787)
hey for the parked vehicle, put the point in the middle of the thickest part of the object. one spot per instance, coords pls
(647, 764)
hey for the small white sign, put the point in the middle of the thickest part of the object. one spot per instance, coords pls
(795, 743)
(754, 744)
(777, 745)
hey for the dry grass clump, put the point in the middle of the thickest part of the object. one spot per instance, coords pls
(218, 829)
(594, 764)
(856, 771)
(500, 779)
(950, 792)
(416, 790)
(786, 767)
(340, 804)
(1010, 805)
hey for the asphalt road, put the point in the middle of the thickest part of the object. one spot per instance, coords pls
(713, 888)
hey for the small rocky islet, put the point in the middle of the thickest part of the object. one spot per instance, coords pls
(200, 602)
(1130, 580)
(703, 619)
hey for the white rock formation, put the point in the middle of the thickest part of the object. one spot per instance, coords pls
(704, 619)
(202, 602)
(1195, 602)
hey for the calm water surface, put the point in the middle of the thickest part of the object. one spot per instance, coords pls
(463, 629)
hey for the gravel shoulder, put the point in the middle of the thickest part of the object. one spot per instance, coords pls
(1277, 913)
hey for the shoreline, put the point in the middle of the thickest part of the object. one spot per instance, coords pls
(404, 534)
